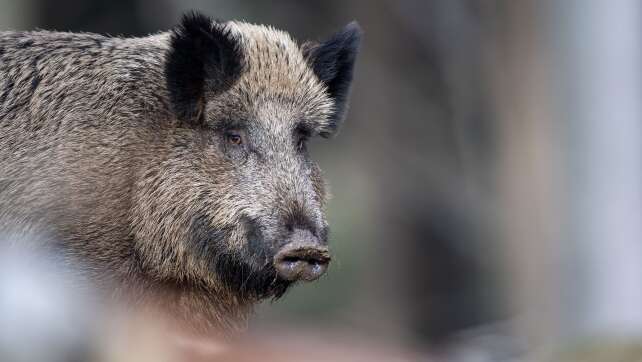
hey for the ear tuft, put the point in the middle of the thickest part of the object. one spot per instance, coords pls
(203, 59)
(333, 63)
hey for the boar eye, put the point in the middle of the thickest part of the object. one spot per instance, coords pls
(234, 138)
(302, 136)
(301, 143)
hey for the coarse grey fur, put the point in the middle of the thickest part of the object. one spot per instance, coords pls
(164, 194)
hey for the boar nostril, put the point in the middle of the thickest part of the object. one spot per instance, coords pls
(302, 261)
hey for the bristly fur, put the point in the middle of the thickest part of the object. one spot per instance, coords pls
(333, 62)
(202, 59)
(118, 149)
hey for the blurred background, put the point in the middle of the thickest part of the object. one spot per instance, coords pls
(487, 182)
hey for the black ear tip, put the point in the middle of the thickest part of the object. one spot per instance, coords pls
(194, 18)
(354, 28)
(193, 22)
(192, 14)
(349, 37)
(353, 32)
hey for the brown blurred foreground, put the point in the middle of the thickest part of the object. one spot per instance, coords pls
(141, 341)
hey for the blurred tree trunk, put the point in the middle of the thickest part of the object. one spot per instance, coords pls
(568, 90)
(528, 181)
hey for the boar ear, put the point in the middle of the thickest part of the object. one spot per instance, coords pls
(203, 59)
(333, 62)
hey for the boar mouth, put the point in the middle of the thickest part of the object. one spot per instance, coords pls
(299, 261)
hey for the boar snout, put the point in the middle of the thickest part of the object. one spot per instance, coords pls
(304, 257)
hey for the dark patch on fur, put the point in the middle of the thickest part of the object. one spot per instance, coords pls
(323, 234)
(297, 218)
(255, 239)
(36, 78)
(333, 63)
(203, 59)
(8, 86)
(24, 44)
(248, 272)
